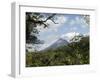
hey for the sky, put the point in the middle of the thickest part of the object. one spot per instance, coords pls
(68, 26)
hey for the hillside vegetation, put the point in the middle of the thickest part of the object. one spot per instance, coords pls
(75, 53)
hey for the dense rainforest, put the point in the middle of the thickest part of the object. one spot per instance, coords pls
(74, 53)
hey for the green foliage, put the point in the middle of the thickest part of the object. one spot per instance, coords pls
(75, 53)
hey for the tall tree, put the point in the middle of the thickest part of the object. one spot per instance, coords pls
(32, 21)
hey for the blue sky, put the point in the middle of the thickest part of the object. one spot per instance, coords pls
(68, 24)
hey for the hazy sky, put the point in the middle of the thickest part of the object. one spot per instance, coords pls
(67, 24)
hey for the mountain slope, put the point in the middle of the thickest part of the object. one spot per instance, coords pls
(75, 53)
(60, 42)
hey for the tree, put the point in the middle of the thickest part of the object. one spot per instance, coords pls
(32, 21)
(86, 19)
(76, 38)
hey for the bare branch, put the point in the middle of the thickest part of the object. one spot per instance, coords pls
(50, 17)
(53, 21)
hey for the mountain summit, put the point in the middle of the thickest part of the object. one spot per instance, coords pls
(60, 42)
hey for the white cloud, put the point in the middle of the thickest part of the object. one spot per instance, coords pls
(70, 35)
(72, 22)
(60, 19)
(73, 28)
(78, 20)
(83, 26)
(53, 37)
(82, 22)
